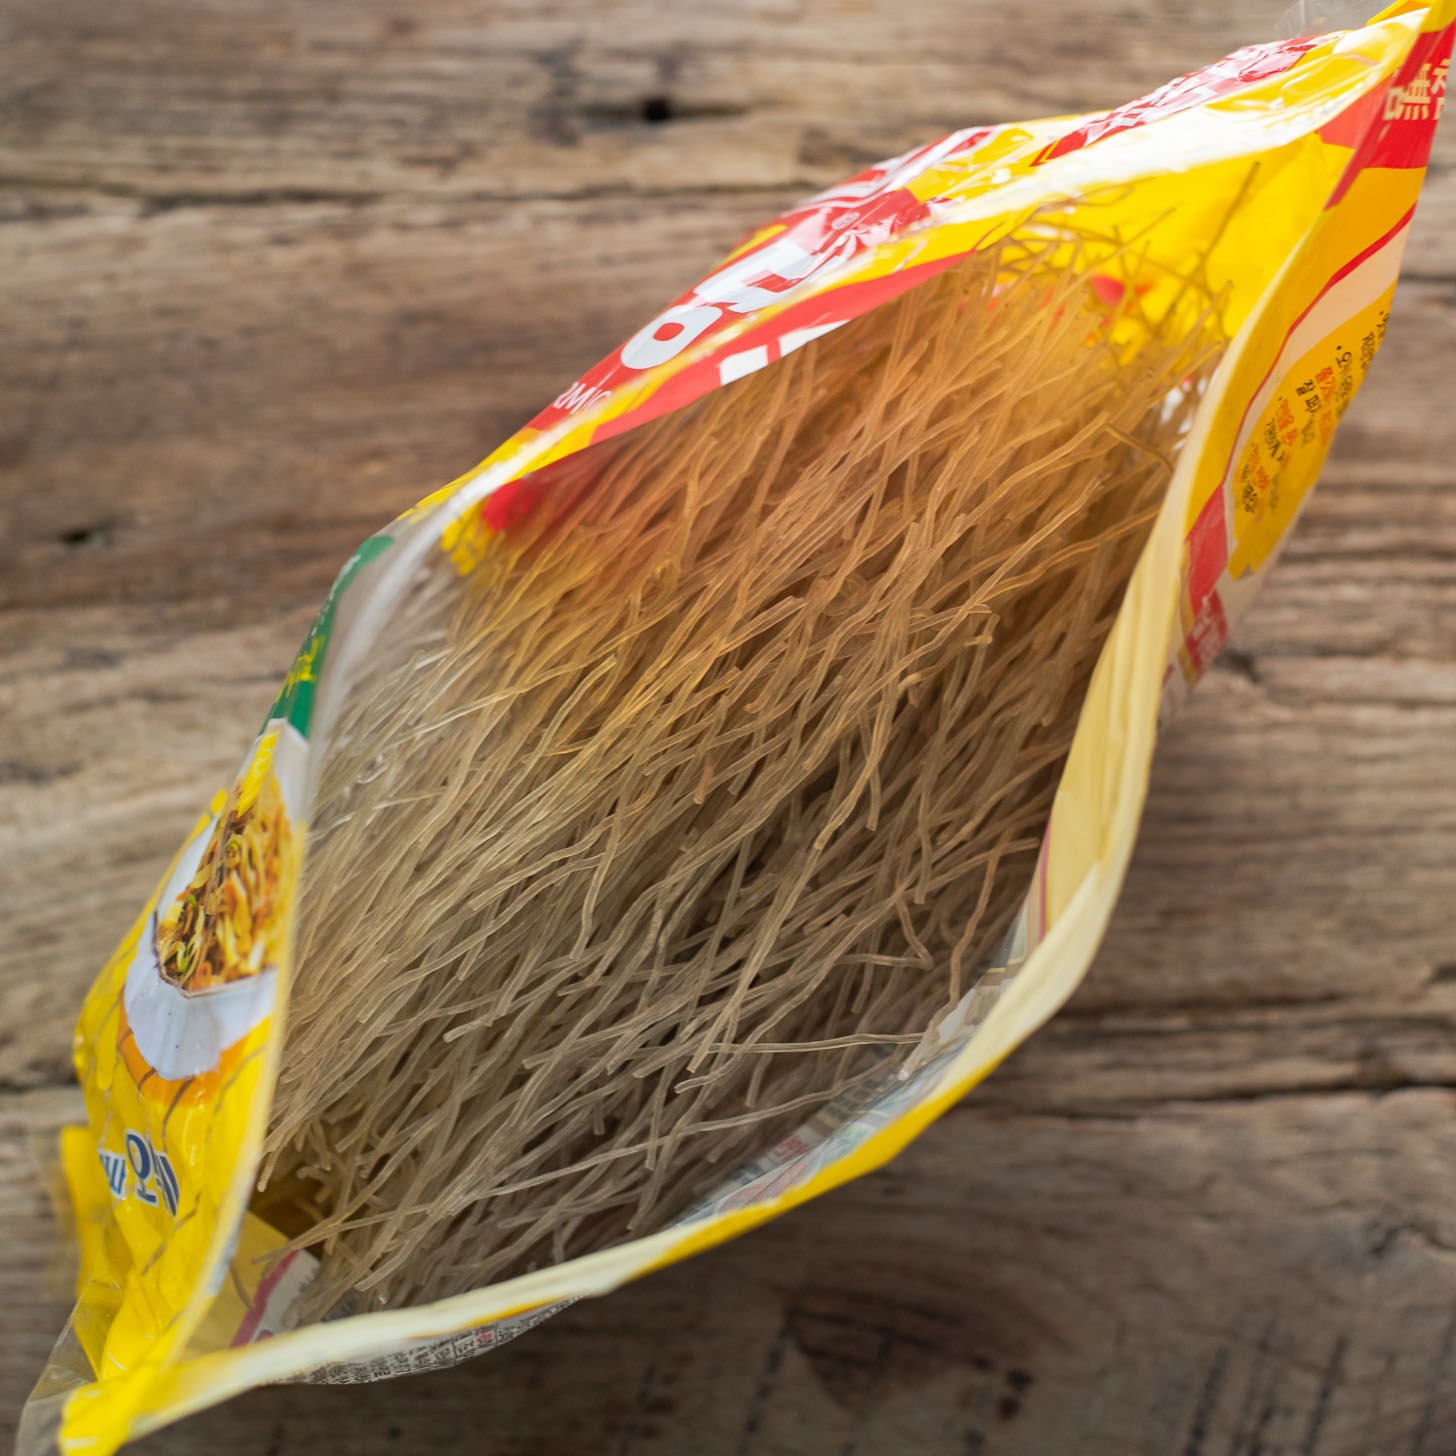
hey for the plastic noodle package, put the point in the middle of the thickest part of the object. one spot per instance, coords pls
(665, 821)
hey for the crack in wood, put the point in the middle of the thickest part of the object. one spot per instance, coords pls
(1320, 1412)
(1439, 1384)
(767, 1381)
(155, 203)
(1203, 1411)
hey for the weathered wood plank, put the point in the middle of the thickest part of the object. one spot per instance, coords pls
(1287, 856)
(245, 100)
(1274, 1276)
(296, 374)
(33, 1257)
(248, 106)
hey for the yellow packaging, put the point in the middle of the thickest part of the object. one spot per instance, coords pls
(1303, 158)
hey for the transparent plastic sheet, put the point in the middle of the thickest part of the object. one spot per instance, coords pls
(1319, 17)
(1303, 158)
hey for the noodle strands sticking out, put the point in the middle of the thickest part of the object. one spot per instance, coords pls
(717, 781)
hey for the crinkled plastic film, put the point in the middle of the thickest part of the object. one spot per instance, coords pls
(1291, 169)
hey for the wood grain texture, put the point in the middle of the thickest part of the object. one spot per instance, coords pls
(268, 274)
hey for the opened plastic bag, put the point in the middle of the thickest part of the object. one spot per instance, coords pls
(667, 820)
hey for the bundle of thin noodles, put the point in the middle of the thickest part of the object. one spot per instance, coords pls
(719, 779)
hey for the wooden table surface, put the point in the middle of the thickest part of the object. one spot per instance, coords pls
(269, 272)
